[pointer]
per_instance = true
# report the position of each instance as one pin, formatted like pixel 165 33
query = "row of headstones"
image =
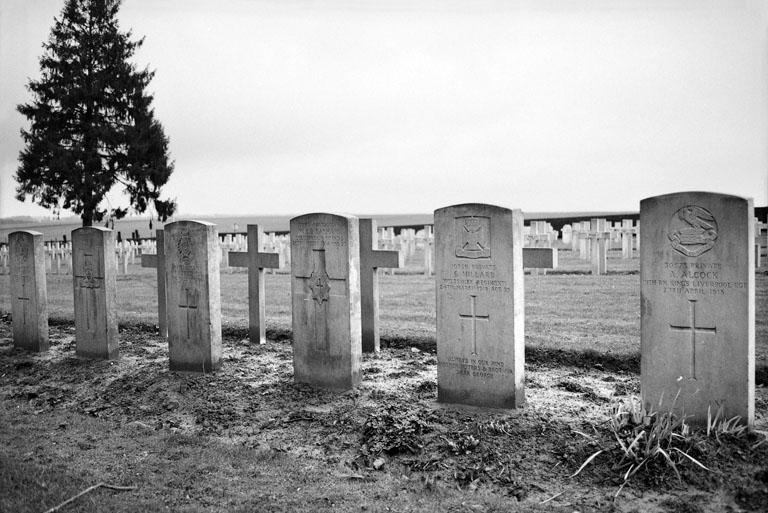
pixel 593 239
pixel 271 242
pixel 128 251
pixel 697 300
pixel 407 244
pixel 537 234
pixel 761 241
pixel 58 255
pixel 94 280
pixel 697 307
pixel 622 235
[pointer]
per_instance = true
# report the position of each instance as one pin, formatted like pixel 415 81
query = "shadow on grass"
pixel 541 355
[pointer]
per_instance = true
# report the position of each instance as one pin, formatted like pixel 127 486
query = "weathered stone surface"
pixel 370 261
pixel 256 262
pixel 325 292
pixel 480 309
pixel 95 292
pixel 193 296
pixel 29 299
pixel 157 261
pixel 698 304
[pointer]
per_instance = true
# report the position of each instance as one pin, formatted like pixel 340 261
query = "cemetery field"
pixel 246 438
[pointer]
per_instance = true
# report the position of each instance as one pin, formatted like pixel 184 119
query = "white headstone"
pixel 28 290
pixel 193 296
pixel 480 309
pixel 325 292
pixel 95 292
pixel 698 304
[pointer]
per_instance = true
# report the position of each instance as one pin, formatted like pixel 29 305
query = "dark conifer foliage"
pixel 91 121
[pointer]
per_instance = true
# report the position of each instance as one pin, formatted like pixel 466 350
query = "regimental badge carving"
pixel 692 231
pixel 318 282
pixel 184 247
pixel 473 237
pixel 23 252
pixel 88 270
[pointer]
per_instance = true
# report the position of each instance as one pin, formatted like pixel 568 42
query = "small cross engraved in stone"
pixel 320 295
pixel 693 327
pixel 24 299
pixel 474 317
pixel 88 281
pixel 190 304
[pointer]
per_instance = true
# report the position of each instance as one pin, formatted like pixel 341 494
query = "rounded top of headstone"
pixel 188 222
pixel 86 229
pixel 692 196
pixel 476 207
pixel 25 232
pixel 346 217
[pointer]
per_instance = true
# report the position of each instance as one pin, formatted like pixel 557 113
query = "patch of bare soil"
pixel 278 446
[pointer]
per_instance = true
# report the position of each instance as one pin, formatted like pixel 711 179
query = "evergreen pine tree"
pixel 91 121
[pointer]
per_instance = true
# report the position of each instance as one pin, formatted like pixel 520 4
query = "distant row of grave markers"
pixel 697 299
pixel 539 234
pixel 580 236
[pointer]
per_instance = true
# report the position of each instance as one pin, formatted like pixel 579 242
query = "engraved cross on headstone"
pixel 87 280
pixel 190 303
pixel 24 298
pixel 256 262
pixel 473 317
pixel 320 294
pixel 693 328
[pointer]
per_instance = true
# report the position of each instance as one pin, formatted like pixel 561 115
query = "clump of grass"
pixel 718 425
pixel 642 439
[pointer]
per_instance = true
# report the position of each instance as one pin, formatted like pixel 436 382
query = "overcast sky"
pixel 279 107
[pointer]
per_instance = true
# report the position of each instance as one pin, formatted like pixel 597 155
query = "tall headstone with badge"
pixel 698 305
pixel 480 309
pixel 28 290
pixel 94 266
pixel 325 292
pixel 193 296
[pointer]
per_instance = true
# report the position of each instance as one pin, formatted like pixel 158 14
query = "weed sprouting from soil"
pixel 648 445
pixel 720 426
